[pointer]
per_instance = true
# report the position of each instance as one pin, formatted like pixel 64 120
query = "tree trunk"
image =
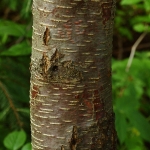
pixel 70 96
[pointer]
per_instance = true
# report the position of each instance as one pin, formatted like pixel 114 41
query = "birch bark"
pixel 70 94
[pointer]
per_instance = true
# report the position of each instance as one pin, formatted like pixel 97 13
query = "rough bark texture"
pixel 71 100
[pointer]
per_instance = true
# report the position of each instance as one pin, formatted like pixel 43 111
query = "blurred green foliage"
pixel 15 50
pixel 131 90
pixel 131 93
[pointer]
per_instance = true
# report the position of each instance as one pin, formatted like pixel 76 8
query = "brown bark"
pixel 70 96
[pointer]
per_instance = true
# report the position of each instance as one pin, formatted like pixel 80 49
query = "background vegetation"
pixel 131 84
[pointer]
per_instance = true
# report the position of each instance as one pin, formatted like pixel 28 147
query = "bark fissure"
pixel 46 36
pixel 71 101
pixel 74 139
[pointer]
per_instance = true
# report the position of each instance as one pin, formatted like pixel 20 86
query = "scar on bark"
pixel 56 70
pixel 46 36
pixel 74 139
pixel 50 63
pixel 34 91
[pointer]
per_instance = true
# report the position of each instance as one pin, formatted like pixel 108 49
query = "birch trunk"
pixel 70 94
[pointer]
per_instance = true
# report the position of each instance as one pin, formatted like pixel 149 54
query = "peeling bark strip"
pixel 70 96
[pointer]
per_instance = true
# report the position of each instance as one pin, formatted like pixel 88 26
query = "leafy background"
pixel 131 89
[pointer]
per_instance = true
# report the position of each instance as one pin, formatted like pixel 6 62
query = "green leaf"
pixel 126 32
pixel 27 147
pixel 137 148
pixel 134 142
pixel 26 5
pixel 18 50
pixel 147 5
pixel 4 112
pixel 129 100
pixel 17 78
pixel 4 38
pixel 130 2
pixel 13 5
pixel 11 28
pixel 140 123
pixel 24 110
pixel 121 126
pixel 139 27
pixel 140 19
pixel 15 140
pixel 143 55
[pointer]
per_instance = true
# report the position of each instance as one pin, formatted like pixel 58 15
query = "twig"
pixel 11 103
pixel 140 46
pixel 133 49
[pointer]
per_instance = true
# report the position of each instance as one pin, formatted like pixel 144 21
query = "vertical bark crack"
pixel 46 36
pixel 74 139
